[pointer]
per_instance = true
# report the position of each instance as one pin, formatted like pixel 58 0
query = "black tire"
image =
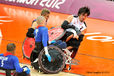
pixel 23 49
pixel 58 60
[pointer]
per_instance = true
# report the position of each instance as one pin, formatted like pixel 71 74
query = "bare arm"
pixel 69 18
pixel 65 25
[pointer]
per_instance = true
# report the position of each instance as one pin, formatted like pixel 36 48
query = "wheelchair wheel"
pixel 56 33
pixel 27 47
pixel 56 65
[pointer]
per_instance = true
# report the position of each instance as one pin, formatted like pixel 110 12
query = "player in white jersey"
pixel 75 28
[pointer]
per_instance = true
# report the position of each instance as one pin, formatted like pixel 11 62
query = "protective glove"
pixel 26 69
pixel 49 57
pixel 52 42
pixel 47 54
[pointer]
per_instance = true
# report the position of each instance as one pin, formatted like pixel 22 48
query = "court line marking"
pixel 78 53
pixel 23 64
pixel 13 41
pixel 96 56
pixel 2 20
pixel 6 20
pixel 0 36
pixel 0 33
pixel 4 17
pixel 93 33
pixel 73 73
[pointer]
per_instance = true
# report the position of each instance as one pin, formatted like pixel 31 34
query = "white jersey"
pixel 76 22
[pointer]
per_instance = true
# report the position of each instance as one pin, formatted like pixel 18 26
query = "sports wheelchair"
pixel 60 57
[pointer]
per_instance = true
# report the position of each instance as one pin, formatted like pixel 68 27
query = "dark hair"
pixel 11 47
pixel 45 11
pixel 84 10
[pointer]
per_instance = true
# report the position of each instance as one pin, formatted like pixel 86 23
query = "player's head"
pixel 83 13
pixel 45 12
pixel 11 47
pixel 40 20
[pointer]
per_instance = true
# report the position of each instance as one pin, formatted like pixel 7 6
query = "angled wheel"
pixel 57 63
pixel 28 46
pixel 56 33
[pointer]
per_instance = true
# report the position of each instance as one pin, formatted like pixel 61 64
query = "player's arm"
pixel 45 39
pixel 17 66
pixel 65 25
pixel 19 69
pixel 44 36
pixel 69 18
pixel 82 34
pixel 84 29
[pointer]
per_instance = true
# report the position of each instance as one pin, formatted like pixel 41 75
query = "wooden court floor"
pixel 96 53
